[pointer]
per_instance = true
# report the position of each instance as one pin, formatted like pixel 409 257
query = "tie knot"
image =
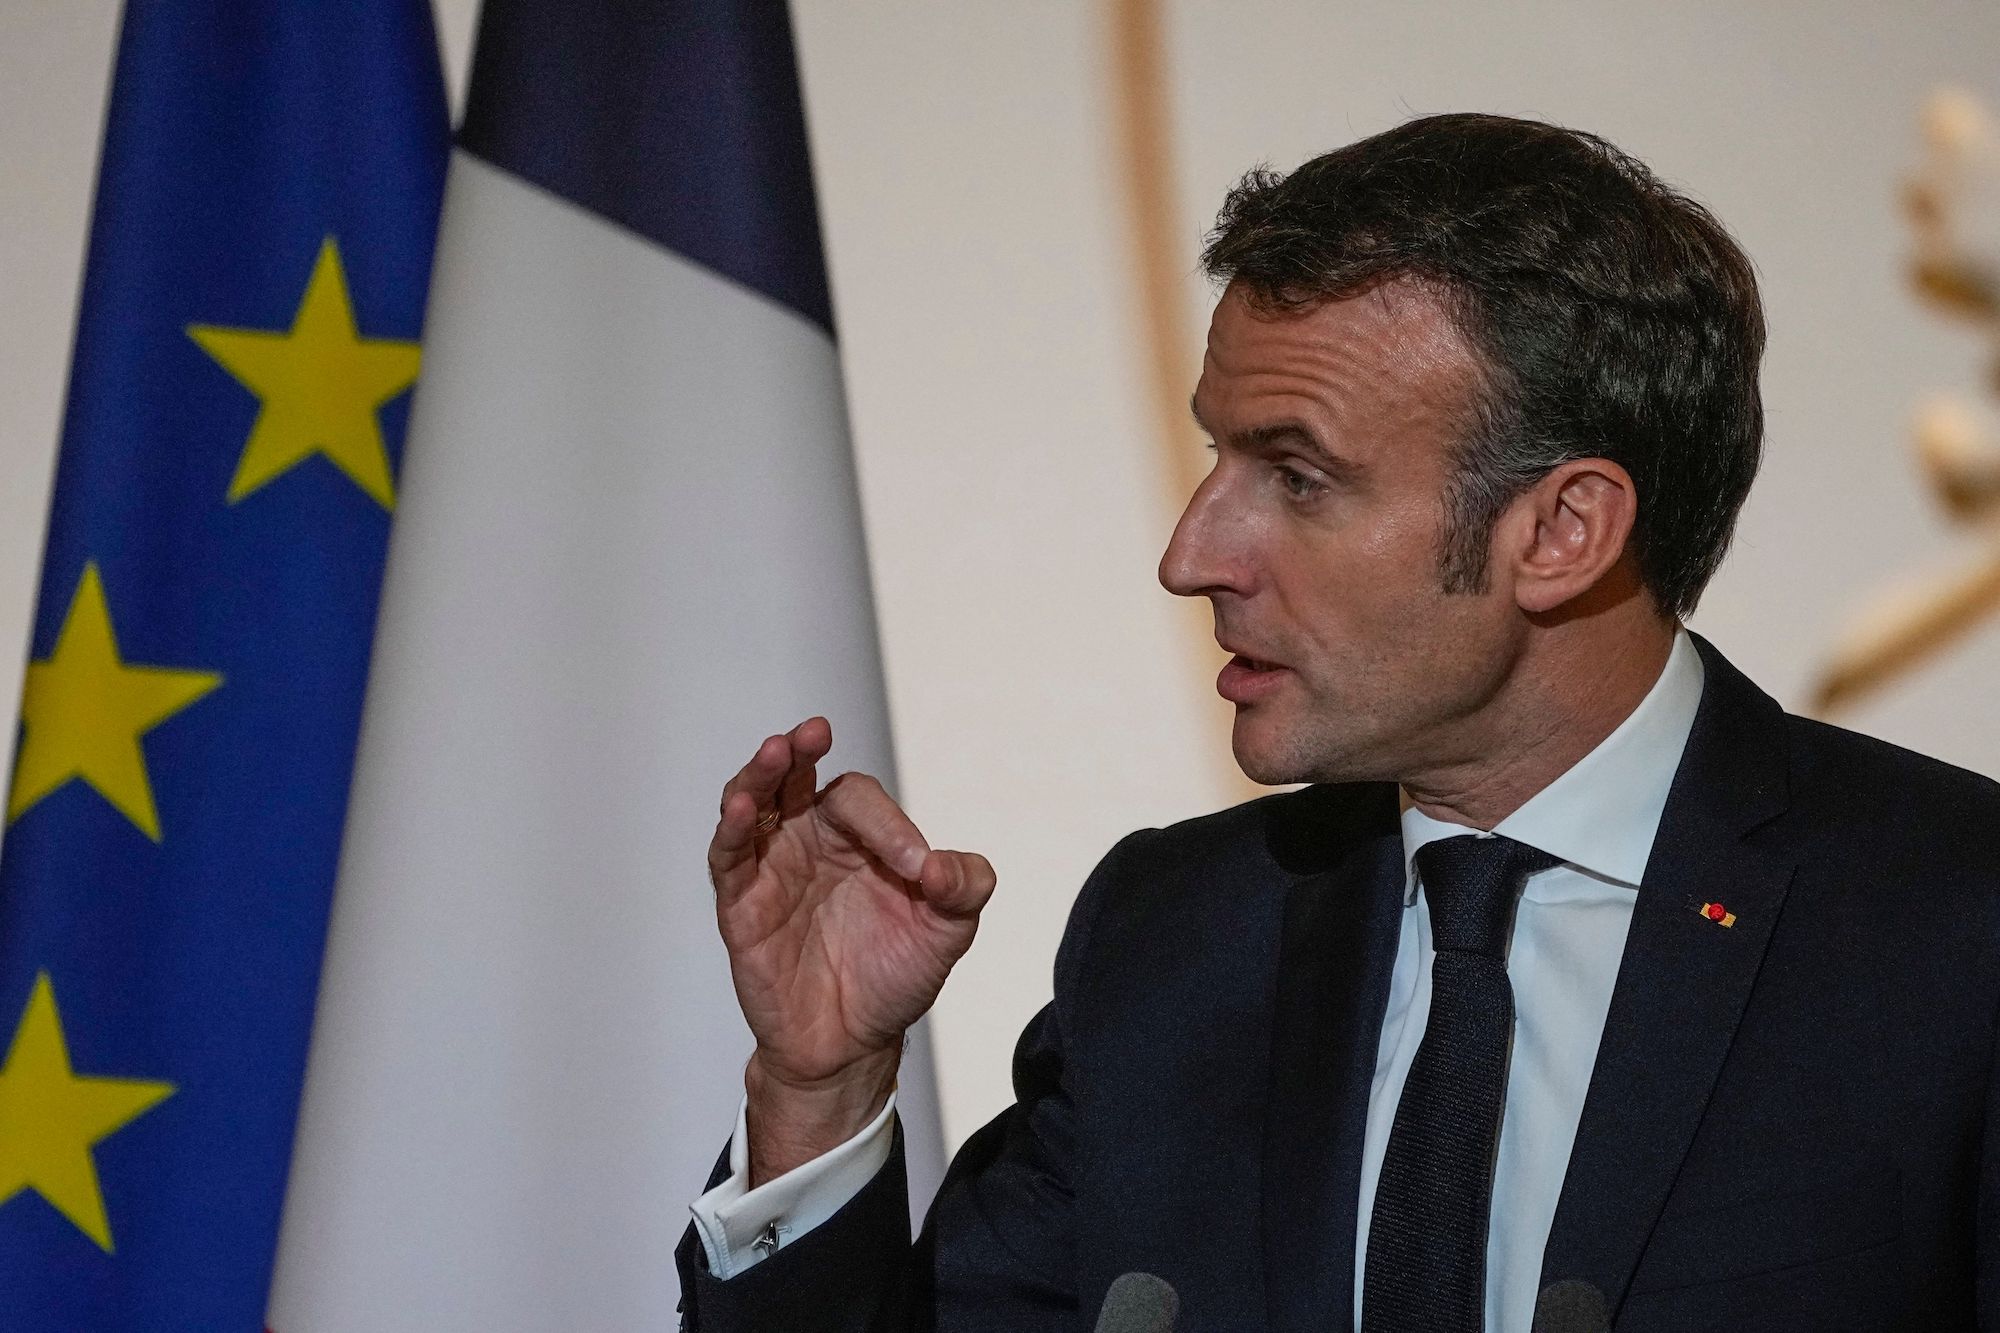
pixel 1470 883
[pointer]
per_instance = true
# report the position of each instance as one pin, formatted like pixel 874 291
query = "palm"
pixel 834 954
pixel 841 922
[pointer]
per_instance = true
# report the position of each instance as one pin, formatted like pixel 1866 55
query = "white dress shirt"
pixel 1569 931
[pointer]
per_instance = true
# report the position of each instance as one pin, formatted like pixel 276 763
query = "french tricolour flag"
pixel 628 546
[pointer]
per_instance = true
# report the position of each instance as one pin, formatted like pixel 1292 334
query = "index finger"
pixel 857 803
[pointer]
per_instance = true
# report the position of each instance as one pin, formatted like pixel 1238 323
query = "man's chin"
pixel 1275 751
pixel 1263 757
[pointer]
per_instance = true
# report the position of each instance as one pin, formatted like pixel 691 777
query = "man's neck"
pixel 1559 706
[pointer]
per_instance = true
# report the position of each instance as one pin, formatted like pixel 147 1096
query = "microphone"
pixel 1571 1306
pixel 1138 1303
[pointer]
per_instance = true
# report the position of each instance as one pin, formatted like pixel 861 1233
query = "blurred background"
pixel 1019 474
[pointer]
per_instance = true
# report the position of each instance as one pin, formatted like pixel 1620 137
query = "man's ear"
pixel 1568 531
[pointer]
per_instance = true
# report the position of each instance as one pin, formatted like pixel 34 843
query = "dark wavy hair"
pixel 1613 317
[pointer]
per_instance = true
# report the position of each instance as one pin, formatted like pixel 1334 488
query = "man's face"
pixel 1317 539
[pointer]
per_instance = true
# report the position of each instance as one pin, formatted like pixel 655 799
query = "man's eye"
pixel 1299 484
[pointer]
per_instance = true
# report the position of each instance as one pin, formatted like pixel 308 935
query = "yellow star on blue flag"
pixel 320 383
pixel 51 1116
pixel 83 713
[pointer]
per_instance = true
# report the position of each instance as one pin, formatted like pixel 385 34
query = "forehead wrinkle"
pixel 1396 337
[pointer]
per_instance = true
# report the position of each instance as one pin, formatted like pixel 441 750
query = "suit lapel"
pixel 1337 950
pixel 1682 983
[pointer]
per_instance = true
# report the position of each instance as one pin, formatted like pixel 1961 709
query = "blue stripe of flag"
pixel 679 121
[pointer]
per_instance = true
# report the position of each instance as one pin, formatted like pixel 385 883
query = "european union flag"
pixel 258 259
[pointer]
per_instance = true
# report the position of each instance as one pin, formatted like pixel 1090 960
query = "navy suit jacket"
pixel 1791 1123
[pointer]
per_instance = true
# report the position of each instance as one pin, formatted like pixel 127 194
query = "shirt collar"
pixel 1600 816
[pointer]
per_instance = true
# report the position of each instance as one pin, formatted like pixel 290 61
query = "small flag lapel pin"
pixel 1719 914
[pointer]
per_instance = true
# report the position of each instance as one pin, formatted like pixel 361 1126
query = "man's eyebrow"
pixel 1286 434
pixel 1291 435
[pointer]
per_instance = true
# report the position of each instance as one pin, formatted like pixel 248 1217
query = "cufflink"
pixel 767 1241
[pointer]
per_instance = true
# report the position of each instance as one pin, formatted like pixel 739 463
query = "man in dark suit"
pixel 1580 978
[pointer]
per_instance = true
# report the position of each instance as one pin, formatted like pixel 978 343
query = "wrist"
pixel 792 1121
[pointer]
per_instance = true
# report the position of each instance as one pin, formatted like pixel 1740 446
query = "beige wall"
pixel 1046 694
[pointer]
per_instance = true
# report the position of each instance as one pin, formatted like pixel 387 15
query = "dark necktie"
pixel 1426 1262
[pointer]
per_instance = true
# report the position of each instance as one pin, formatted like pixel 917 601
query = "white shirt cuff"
pixel 741 1227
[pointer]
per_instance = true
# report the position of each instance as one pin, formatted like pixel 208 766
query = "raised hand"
pixel 841 925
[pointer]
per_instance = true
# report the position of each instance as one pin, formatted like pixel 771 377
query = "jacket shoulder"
pixel 1896 836
pixel 1887 790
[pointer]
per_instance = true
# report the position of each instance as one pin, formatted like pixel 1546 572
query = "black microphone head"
pixel 1139 1303
pixel 1571 1306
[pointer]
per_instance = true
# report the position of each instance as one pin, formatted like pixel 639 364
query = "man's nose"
pixel 1194 563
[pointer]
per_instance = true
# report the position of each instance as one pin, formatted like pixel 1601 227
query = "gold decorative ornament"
pixel 1161 250
pixel 1953 205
